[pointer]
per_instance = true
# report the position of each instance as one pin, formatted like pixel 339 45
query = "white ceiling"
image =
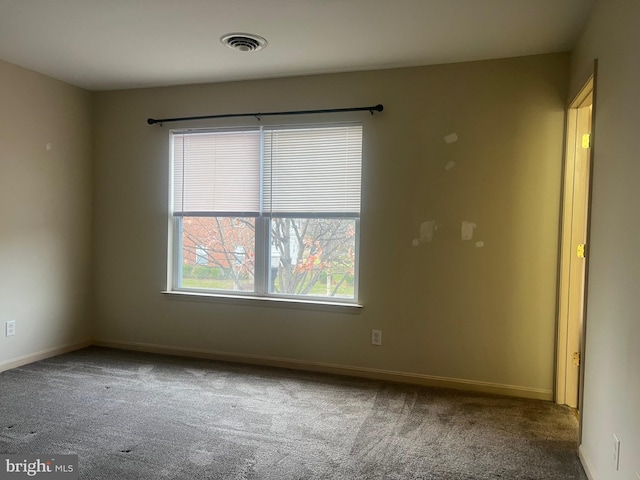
pixel 115 44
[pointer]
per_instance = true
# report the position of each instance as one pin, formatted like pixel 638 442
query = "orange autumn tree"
pixel 313 251
pixel 309 256
pixel 221 248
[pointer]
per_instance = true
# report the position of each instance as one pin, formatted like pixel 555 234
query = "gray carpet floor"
pixel 141 416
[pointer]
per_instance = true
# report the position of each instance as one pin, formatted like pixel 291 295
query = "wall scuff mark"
pixel 451 138
pixel 467 230
pixel 427 229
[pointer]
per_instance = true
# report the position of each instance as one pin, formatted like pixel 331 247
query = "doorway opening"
pixel 574 248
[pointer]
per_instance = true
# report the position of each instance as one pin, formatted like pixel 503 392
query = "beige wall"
pixel 446 308
pixel 612 356
pixel 45 213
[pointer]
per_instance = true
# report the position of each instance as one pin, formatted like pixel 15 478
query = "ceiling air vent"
pixel 244 42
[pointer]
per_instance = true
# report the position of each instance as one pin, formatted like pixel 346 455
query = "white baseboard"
pixel 42 354
pixel 389 375
pixel 588 469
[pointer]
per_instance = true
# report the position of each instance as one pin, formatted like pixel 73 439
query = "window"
pixel 201 256
pixel 269 211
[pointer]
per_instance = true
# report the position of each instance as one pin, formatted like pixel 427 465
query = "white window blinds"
pixel 313 171
pixel 305 171
pixel 216 173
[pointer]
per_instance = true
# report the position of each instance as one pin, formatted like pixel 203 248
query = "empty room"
pixel 302 239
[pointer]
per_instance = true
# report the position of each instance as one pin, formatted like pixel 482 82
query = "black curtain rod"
pixel 376 108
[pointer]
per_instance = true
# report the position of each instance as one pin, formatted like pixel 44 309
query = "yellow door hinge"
pixel 576 358
pixel 582 250
pixel 586 140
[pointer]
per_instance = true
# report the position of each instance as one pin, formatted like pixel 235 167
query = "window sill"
pixel 255 301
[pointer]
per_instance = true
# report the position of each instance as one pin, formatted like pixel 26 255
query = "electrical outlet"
pixel 616 452
pixel 376 337
pixel 10 328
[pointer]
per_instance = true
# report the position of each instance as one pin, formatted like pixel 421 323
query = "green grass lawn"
pixel 319 289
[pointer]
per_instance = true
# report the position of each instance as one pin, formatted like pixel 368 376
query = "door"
pixel 574 248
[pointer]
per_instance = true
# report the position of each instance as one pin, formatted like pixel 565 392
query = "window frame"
pixel 262 245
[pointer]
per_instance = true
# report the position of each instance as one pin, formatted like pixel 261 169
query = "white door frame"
pixel 573 289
